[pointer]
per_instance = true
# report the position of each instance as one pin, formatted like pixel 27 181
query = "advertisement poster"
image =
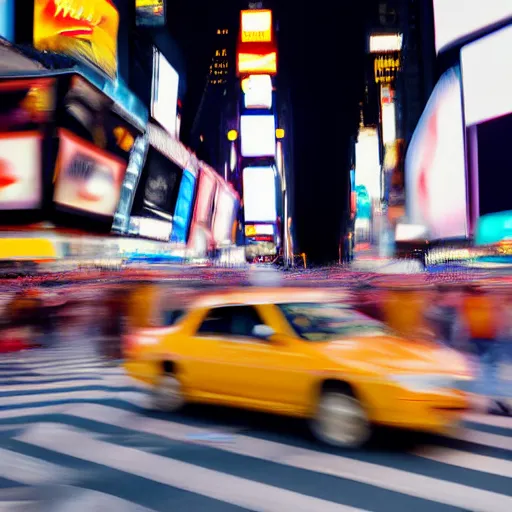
pixel 435 172
pixel 83 29
pixel 87 178
pixel 20 171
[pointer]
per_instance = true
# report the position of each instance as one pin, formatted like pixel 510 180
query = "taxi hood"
pixel 391 353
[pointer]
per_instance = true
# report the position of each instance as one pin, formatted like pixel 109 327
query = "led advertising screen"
pixel 164 101
pixel 368 162
pixel 27 105
pixel 21 185
pixel 83 29
pixel 161 183
pixel 435 172
pixel 224 216
pixel 259 192
pixel 87 178
pixel 457 20
pixel 184 208
pixel 486 81
pixel 258 135
pixel 384 43
pixel 7 19
pixel 262 63
pixel 256 26
pixel 488 116
pixel 257 91
pixel 150 13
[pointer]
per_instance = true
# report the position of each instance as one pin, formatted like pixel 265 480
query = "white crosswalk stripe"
pixel 64 428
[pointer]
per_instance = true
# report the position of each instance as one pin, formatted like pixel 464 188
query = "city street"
pixel 74 437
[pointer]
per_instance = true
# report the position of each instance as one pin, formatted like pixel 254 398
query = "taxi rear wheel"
pixel 168 392
pixel 341 420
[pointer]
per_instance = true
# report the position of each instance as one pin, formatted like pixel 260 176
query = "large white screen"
pixel 164 103
pixel 258 135
pixel 457 19
pixel 257 91
pixel 487 77
pixel 259 194
pixel 435 171
pixel 368 162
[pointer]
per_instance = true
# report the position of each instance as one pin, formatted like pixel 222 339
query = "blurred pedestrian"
pixel 444 316
pixel 484 324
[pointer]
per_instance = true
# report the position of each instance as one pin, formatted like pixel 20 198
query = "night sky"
pixel 321 53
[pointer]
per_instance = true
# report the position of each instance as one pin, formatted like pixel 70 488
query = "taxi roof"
pixel 251 296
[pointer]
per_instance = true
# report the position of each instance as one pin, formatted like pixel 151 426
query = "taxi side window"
pixel 232 320
pixel 172 317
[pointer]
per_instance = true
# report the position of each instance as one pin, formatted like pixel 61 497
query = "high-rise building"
pixel 220 65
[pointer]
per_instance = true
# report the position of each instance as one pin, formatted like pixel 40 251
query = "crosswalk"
pixel 74 436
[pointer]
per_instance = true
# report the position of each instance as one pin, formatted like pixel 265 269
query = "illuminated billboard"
pixel 83 29
pixel 435 172
pixel 21 181
pixel 87 178
pixel 259 187
pixel 257 91
pixel 27 106
pixel 258 136
pixel 385 43
pixel 488 117
pixel 256 26
pixel 457 20
pixel 257 63
pixel 150 13
pixel 486 82
pixel 164 94
pixel 368 162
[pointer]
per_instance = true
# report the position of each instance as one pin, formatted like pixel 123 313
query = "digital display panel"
pixel 184 208
pixel 263 63
pixel 435 172
pixel 256 26
pixel 258 135
pixel 257 91
pixel 27 106
pixel 83 29
pixel 162 182
pixel 457 20
pixel 21 185
pixel 259 193
pixel 164 101
pixel 486 82
pixel 87 178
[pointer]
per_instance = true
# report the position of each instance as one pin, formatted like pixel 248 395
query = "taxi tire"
pixel 167 394
pixel 341 420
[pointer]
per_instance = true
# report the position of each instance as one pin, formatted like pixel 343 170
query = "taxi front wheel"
pixel 341 420
pixel 168 394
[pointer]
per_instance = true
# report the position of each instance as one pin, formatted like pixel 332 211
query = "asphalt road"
pixel 74 436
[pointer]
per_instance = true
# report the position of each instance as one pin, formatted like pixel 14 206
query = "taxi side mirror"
pixel 262 331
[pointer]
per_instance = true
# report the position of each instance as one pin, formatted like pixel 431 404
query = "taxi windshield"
pixel 323 322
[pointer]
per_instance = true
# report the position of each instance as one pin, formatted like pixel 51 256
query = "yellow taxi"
pixel 299 352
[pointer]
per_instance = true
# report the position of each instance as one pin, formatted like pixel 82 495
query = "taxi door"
pixel 259 370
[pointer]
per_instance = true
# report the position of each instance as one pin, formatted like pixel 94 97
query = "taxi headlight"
pixel 425 383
